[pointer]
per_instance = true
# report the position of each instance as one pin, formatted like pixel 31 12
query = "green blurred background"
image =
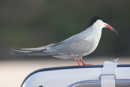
pixel 34 23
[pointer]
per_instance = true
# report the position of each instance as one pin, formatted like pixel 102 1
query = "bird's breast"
pixel 92 43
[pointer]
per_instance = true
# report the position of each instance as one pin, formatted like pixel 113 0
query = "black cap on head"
pixel 95 18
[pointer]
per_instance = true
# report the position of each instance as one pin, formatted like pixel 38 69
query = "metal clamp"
pixel 106 75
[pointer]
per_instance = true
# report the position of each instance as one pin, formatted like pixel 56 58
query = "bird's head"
pixel 101 21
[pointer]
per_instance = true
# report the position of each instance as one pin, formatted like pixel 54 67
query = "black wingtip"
pixel 19 54
pixel 15 54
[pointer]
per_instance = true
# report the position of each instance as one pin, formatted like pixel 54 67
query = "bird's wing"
pixel 39 51
pixel 76 45
pixel 28 50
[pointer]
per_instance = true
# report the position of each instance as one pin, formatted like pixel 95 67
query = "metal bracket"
pixel 106 75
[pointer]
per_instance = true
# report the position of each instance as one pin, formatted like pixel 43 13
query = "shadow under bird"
pixel 74 47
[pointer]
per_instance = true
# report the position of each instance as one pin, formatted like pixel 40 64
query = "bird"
pixel 74 47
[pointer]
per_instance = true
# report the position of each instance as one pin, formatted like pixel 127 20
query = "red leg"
pixel 77 61
pixel 83 62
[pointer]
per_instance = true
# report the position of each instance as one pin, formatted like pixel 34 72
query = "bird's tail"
pixel 31 51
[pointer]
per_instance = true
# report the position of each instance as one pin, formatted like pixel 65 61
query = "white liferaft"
pixel 80 76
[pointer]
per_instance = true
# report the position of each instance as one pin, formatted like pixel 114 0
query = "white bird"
pixel 76 46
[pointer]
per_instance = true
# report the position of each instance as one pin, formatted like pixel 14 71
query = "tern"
pixel 74 47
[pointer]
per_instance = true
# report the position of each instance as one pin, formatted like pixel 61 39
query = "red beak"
pixel 111 28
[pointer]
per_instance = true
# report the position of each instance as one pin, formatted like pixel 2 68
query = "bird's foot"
pixel 82 62
pixel 87 64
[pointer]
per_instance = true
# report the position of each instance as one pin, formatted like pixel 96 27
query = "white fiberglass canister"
pixel 80 76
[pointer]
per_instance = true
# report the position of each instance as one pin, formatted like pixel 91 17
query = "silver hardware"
pixel 106 75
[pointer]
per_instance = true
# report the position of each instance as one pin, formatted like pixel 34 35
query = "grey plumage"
pixel 74 46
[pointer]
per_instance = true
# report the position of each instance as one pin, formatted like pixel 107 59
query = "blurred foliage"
pixel 34 23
